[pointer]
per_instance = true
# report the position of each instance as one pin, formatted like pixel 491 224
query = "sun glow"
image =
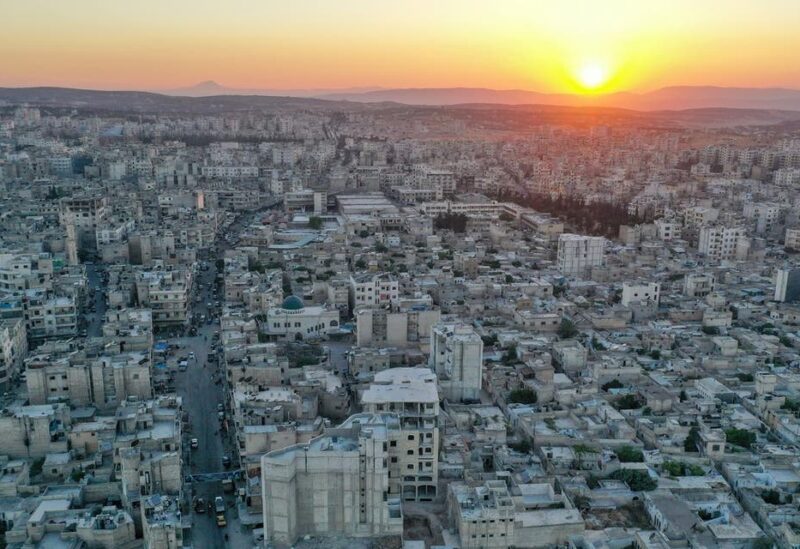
pixel 592 76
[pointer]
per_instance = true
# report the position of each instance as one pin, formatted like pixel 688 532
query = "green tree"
pixel 630 454
pixel 628 402
pixel 567 329
pixel 639 481
pixel 681 469
pixel 692 439
pixel 740 437
pixel 315 222
pixel 522 396
pixel 613 384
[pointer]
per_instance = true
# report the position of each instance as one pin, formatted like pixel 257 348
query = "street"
pixel 98 298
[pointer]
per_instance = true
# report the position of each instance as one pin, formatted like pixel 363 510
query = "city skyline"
pixel 569 47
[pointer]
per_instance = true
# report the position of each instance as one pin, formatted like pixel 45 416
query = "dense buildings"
pixel 464 327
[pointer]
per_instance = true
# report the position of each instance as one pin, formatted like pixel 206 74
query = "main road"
pixel 202 388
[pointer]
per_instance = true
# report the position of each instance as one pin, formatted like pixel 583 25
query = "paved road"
pixel 202 388
pixel 201 396
pixel 95 319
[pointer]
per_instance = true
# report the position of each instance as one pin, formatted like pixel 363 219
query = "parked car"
pixel 194 444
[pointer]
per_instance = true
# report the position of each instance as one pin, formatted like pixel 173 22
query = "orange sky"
pixel 539 45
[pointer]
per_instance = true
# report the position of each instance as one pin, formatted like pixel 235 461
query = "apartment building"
pixel 483 515
pixel 373 290
pixel 336 484
pixel 787 285
pixel 49 316
pixel 699 216
pixel 698 284
pixel 577 253
pixel 649 292
pixel 457 358
pixel 765 217
pixel 82 380
pixel 411 394
pixel 396 326
pixel 792 240
pixel 20 272
pixel 13 348
pixel 166 293
pixel 723 243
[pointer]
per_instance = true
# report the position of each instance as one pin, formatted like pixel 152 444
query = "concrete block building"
pixel 337 484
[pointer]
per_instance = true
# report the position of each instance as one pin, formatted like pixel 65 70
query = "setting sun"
pixel 592 76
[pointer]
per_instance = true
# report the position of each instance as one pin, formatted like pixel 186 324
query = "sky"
pixel 583 46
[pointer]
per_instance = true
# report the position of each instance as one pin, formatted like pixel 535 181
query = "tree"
pixel 510 356
pixel 628 402
pixel 681 469
pixel 567 329
pixel 454 222
pixel 629 454
pixel 522 396
pixel 360 264
pixel 315 222
pixel 740 437
pixel 613 384
pixel 772 497
pixel 639 481
pixel 523 446
pixel 692 439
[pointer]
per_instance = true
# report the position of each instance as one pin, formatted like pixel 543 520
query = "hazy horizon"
pixel 566 47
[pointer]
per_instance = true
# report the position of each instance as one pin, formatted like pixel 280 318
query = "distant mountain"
pixel 148 102
pixel 671 98
pixel 210 88
pixel 473 105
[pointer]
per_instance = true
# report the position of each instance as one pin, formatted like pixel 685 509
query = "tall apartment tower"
pixel 457 359
pixel 578 253
pixel 410 393
pixel 336 484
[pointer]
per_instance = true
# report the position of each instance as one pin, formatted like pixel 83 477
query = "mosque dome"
pixel 292 303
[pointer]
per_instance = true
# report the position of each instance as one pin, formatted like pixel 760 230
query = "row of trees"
pixel 597 218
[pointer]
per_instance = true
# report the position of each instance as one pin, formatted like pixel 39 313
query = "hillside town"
pixel 390 327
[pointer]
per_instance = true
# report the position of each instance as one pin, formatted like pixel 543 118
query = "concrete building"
pixel 649 292
pixel 577 253
pixel 483 516
pixel 81 380
pixel 721 243
pixel 457 359
pixel 411 394
pixel 792 240
pixel 787 285
pixel 396 326
pixel 373 290
pixel 162 524
pixel 698 284
pixel 13 349
pixel 166 293
pixel 337 484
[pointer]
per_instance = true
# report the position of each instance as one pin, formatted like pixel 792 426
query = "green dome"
pixel 292 303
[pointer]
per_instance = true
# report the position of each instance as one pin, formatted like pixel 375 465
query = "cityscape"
pixel 374 308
